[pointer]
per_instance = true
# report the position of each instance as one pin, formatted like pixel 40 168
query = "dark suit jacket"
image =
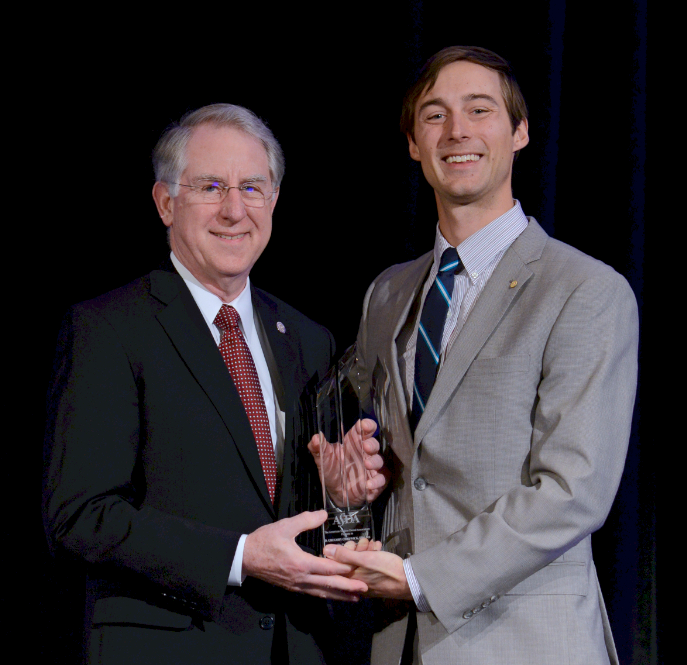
pixel 152 474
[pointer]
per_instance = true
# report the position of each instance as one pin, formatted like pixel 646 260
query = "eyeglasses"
pixel 215 192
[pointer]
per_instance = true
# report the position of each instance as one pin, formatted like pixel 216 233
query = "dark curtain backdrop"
pixel 329 82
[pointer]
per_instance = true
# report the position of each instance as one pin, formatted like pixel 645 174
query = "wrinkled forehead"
pixel 216 149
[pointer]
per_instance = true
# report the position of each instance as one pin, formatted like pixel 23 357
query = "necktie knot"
pixel 227 318
pixel 450 261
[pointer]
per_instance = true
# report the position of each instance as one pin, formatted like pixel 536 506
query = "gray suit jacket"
pixel 517 457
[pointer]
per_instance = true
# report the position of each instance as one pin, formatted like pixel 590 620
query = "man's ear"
pixel 521 136
pixel 164 202
pixel 412 148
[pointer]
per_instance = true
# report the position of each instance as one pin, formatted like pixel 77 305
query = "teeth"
pixel 462 158
pixel 219 235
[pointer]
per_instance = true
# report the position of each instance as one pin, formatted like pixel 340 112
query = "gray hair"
pixel 169 156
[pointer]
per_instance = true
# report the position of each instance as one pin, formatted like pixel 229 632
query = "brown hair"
pixel 515 102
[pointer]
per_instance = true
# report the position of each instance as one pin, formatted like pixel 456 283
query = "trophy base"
pixel 342 526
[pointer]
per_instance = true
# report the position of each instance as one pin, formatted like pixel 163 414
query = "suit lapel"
pixel 188 332
pixel 490 308
pixel 282 346
pixel 402 313
pixel 288 373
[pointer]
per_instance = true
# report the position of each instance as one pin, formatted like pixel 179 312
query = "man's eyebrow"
pixel 473 96
pixel 209 177
pixel 437 101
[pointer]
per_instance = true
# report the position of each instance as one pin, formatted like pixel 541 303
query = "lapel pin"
pixel 281 327
pixel 514 283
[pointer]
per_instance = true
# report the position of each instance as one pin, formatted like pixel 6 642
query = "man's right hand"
pixel 271 554
pixel 364 476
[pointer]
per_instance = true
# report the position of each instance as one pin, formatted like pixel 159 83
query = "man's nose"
pixel 457 128
pixel 233 207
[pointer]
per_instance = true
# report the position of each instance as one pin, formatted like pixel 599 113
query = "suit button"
pixel 420 484
pixel 267 623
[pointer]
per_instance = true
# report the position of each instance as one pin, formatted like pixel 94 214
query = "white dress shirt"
pixel 209 305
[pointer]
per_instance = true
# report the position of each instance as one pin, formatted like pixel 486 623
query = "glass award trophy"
pixel 342 469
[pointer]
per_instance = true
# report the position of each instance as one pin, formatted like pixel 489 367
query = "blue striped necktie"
pixel 430 332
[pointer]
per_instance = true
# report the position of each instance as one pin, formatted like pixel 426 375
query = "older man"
pixel 172 420
pixel 503 364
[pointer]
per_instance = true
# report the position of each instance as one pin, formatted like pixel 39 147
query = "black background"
pixel 329 82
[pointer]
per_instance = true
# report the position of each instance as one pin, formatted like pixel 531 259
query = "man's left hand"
pixel 383 572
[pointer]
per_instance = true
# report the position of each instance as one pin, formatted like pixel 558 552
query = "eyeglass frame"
pixel 225 192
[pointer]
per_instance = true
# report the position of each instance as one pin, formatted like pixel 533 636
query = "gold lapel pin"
pixel 514 283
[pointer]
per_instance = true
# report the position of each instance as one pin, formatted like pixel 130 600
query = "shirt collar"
pixel 480 249
pixel 209 304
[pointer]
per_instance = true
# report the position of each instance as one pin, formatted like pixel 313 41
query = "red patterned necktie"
pixel 239 362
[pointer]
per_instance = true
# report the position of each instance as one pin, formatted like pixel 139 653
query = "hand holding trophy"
pixel 351 470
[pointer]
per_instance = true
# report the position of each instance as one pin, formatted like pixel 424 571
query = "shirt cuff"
pixel 235 574
pixel 415 588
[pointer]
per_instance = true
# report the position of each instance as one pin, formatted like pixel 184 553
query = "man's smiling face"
pixel 463 137
pixel 219 243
